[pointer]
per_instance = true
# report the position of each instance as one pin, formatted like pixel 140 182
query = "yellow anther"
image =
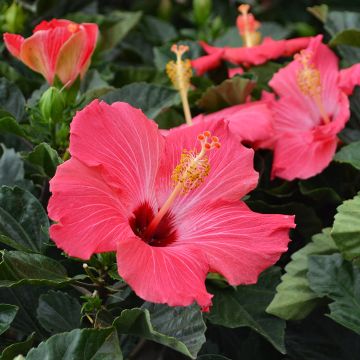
pixel 308 76
pixel 244 9
pixel 194 166
pixel 309 81
pixel 179 72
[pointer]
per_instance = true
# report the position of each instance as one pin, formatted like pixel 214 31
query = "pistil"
pixel 180 73
pixel 189 174
pixel 248 26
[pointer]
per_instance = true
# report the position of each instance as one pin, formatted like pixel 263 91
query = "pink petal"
pixel 75 54
pixel 40 51
pixel 52 24
pixel 235 71
pixel 206 63
pixel 252 122
pixel 13 43
pixel 89 213
pixel 171 275
pixel 349 78
pixel 293 46
pixel 124 143
pixel 238 243
pixel 231 174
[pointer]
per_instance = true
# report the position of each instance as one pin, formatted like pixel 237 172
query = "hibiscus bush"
pixel 179 179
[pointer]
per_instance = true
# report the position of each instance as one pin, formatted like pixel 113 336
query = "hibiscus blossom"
pixel 169 206
pixel 254 51
pixel 57 48
pixel 312 108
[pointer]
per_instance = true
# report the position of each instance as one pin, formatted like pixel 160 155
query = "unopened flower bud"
pixel 52 104
pixel 202 10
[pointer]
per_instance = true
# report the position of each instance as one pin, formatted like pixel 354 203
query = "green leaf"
pixel 8 124
pixel 349 37
pixel 157 31
pixel 20 348
pixel 319 11
pixel 230 92
pixel 180 328
pixel 332 276
pixel 245 306
pixel 45 158
pixel 23 220
pixel 346 228
pixel 342 21
pixel 349 154
pixel 12 99
pixel 58 312
pixel 17 268
pixel 150 98
pixel 7 315
pixel 294 298
pixel 11 167
pixel 89 344
pixel 113 27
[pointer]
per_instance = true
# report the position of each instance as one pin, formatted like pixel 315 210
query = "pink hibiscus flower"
pixel 169 206
pixel 254 51
pixel 312 108
pixel 57 48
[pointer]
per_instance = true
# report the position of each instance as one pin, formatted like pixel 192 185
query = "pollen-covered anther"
pixel 308 76
pixel 179 71
pixel 194 166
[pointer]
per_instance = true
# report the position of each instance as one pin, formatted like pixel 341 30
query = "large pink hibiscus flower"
pixel 312 108
pixel 169 206
pixel 254 51
pixel 57 48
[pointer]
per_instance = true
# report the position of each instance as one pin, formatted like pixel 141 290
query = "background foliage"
pixel 306 307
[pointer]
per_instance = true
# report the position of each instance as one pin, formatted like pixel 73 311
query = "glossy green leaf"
pixel 11 99
pixel 339 280
pixel 347 37
pixel 11 167
pixel 8 124
pixel 180 328
pixel 150 98
pixel 18 268
pixel 349 154
pixel 230 92
pixel 89 344
pixel 245 306
pixel 23 220
pixel 294 298
pixel 58 312
pixel 319 11
pixel 45 158
pixel 7 315
pixel 346 229
pixel 18 348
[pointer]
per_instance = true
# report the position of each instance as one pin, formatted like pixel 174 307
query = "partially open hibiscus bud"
pixel 59 48
pixel 52 104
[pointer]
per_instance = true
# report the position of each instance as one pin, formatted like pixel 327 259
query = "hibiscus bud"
pixel 14 18
pixel 202 10
pixel 52 104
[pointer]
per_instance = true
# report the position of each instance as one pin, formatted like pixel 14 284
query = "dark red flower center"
pixel 165 233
